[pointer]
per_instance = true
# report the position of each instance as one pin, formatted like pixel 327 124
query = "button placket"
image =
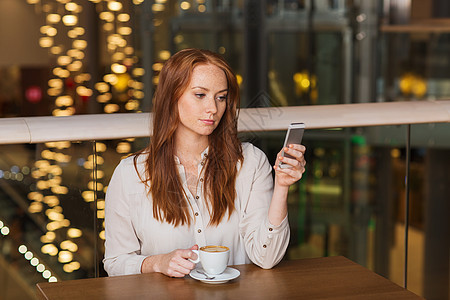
pixel 199 232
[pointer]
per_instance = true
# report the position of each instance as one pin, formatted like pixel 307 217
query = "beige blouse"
pixel 132 233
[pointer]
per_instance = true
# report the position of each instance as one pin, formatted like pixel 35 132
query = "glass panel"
pixel 297 77
pixel 226 43
pixel 46 212
pixel 351 199
pixel 205 25
pixel 47 194
pixel 350 202
pixel 415 66
pixel 428 268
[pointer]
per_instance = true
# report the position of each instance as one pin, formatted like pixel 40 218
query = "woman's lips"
pixel 207 122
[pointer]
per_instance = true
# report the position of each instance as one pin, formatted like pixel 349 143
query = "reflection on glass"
pixel 50 224
pixel 47 198
pixel 296 77
pixel 351 201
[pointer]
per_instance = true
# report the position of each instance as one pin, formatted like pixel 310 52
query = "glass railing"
pixel 351 201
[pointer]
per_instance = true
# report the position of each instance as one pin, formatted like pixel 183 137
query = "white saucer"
pixel 227 275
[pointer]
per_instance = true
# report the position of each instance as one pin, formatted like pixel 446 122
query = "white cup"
pixel 214 259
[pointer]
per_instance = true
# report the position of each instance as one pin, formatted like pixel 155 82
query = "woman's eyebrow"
pixel 203 88
pixel 200 87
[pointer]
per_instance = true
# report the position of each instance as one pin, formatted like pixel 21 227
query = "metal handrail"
pixel 117 126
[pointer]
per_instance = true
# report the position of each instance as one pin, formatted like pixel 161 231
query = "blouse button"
pixel 199 230
pixel 201 179
pixel 264 246
pixel 196 214
pixel 202 163
pixel 270 229
pixel 197 197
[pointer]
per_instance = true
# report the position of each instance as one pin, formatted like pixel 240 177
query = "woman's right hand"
pixel 173 264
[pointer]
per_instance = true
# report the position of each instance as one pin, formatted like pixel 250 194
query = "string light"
pixel 185 5
pixel 70 20
pixel 114 5
pixel 29 256
pixel 53 18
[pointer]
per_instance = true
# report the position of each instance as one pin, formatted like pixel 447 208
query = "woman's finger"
pixel 290 161
pixel 290 175
pixel 294 152
pixel 186 264
pixel 297 147
pixel 174 273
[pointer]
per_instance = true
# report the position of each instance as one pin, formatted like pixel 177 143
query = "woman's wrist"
pixel 278 205
pixel 281 190
pixel 149 265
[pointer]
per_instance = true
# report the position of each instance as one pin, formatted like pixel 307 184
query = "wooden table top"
pixel 316 278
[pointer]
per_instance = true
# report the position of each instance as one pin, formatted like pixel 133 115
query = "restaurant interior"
pixel 72 57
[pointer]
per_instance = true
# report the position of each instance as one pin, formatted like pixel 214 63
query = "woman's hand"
pixel 291 174
pixel 173 264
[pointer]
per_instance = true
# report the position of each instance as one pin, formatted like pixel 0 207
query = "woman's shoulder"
pixel 250 150
pixel 253 156
pixel 131 162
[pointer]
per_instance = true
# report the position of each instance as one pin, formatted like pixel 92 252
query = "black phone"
pixel 294 135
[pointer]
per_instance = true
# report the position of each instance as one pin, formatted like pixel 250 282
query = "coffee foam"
pixel 214 248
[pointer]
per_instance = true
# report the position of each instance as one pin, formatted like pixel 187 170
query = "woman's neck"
pixel 189 150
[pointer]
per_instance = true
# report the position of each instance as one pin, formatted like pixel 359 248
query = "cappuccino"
pixel 214 258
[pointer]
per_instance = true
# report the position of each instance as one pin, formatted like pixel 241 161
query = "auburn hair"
pixel 161 176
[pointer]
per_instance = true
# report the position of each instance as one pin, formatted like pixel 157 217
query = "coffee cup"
pixel 214 259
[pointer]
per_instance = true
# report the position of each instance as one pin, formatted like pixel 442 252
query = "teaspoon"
pixel 206 275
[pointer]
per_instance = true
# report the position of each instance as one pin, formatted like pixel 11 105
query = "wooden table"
pixel 316 278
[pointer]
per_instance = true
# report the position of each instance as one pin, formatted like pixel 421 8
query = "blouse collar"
pixel 204 155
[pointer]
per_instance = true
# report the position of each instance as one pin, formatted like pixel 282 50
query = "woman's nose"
pixel 211 105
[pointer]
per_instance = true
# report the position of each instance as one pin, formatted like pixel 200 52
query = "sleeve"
pixel 265 244
pixel 122 247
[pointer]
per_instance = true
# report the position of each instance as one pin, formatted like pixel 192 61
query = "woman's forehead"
pixel 208 74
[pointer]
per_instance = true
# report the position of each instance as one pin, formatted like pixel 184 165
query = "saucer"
pixel 227 275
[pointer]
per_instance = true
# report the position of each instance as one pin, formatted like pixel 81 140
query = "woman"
pixel 196 184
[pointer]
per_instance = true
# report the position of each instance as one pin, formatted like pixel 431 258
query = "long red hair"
pixel 225 151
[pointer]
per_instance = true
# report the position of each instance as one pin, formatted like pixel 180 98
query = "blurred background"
pixel 66 57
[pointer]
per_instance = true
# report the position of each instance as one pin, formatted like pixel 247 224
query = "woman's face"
pixel 203 103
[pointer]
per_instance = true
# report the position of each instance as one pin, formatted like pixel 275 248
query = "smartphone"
pixel 294 135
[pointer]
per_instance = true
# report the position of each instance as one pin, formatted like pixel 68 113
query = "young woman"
pixel 196 184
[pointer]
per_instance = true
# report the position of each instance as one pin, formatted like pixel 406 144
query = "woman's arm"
pixel 265 243
pixel 284 177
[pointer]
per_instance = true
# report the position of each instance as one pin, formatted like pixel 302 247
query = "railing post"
pixel 408 160
pixel 94 178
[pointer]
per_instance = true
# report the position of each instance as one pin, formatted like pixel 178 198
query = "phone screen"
pixel 294 135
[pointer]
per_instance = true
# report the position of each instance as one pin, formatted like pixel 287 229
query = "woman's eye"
pixel 199 95
pixel 222 98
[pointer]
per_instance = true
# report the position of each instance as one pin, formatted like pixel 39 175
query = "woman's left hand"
pixel 296 168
